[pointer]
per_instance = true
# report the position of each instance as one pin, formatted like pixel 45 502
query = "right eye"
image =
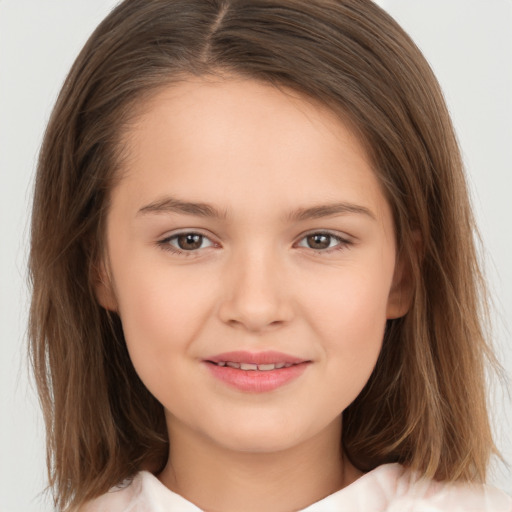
pixel 186 242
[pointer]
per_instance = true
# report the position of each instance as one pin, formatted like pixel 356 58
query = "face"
pixel 249 232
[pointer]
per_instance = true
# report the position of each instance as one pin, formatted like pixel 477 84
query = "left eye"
pixel 322 241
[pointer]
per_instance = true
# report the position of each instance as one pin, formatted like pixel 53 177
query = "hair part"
pixel 425 403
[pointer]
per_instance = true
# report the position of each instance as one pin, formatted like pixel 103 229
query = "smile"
pixel 256 372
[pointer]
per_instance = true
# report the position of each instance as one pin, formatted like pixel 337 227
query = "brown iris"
pixel 190 241
pixel 319 241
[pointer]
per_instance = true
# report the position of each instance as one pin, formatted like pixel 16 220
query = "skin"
pixel 254 283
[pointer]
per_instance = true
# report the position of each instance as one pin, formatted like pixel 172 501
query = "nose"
pixel 256 292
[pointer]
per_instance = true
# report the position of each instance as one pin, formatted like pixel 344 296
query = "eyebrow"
pixel 170 204
pixel 326 210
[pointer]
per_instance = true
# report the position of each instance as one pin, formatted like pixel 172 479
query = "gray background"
pixel 467 42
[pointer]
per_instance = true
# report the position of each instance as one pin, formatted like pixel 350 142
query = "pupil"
pixel 190 241
pixel 318 241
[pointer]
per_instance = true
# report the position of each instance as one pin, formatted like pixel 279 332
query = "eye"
pixel 188 242
pixel 324 242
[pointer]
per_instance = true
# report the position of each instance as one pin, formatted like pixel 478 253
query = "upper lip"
pixel 267 357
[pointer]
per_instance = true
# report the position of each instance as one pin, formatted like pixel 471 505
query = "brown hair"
pixel 425 403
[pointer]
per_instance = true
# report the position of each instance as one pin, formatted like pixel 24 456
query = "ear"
pixel 402 288
pixel 103 287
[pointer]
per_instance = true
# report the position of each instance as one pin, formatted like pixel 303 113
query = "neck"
pixel 218 479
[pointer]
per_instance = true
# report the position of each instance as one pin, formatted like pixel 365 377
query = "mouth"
pixel 256 361
pixel 256 372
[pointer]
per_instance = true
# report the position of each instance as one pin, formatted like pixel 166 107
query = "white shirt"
pixel 388 488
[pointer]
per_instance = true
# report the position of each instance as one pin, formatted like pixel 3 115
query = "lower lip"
pixel 257 381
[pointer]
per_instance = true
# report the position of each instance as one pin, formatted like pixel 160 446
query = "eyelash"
pixel 165 245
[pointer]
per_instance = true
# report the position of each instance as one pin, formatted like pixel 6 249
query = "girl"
pixel 255 284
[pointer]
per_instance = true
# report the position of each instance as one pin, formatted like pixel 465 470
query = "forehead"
pixel 197 102
pixel 239 142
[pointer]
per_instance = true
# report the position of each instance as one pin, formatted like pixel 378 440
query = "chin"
pixel 260 443
pixel 259 436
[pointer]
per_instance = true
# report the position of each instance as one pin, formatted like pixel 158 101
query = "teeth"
pixel 248 366
pixel 266 367
pixel 253 367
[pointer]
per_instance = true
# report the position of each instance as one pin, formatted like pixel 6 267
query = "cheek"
pixel 350 303
pixel 160 312
pixel 349 316
pixel 352 323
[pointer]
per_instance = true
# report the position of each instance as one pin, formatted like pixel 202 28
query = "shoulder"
pixel 142 493
pixel 393 488
pixel 411 493
pixel 116 499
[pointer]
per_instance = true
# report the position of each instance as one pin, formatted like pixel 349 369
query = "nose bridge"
pixel 255 294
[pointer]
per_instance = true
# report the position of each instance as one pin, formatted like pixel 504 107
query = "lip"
pixel 256 381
